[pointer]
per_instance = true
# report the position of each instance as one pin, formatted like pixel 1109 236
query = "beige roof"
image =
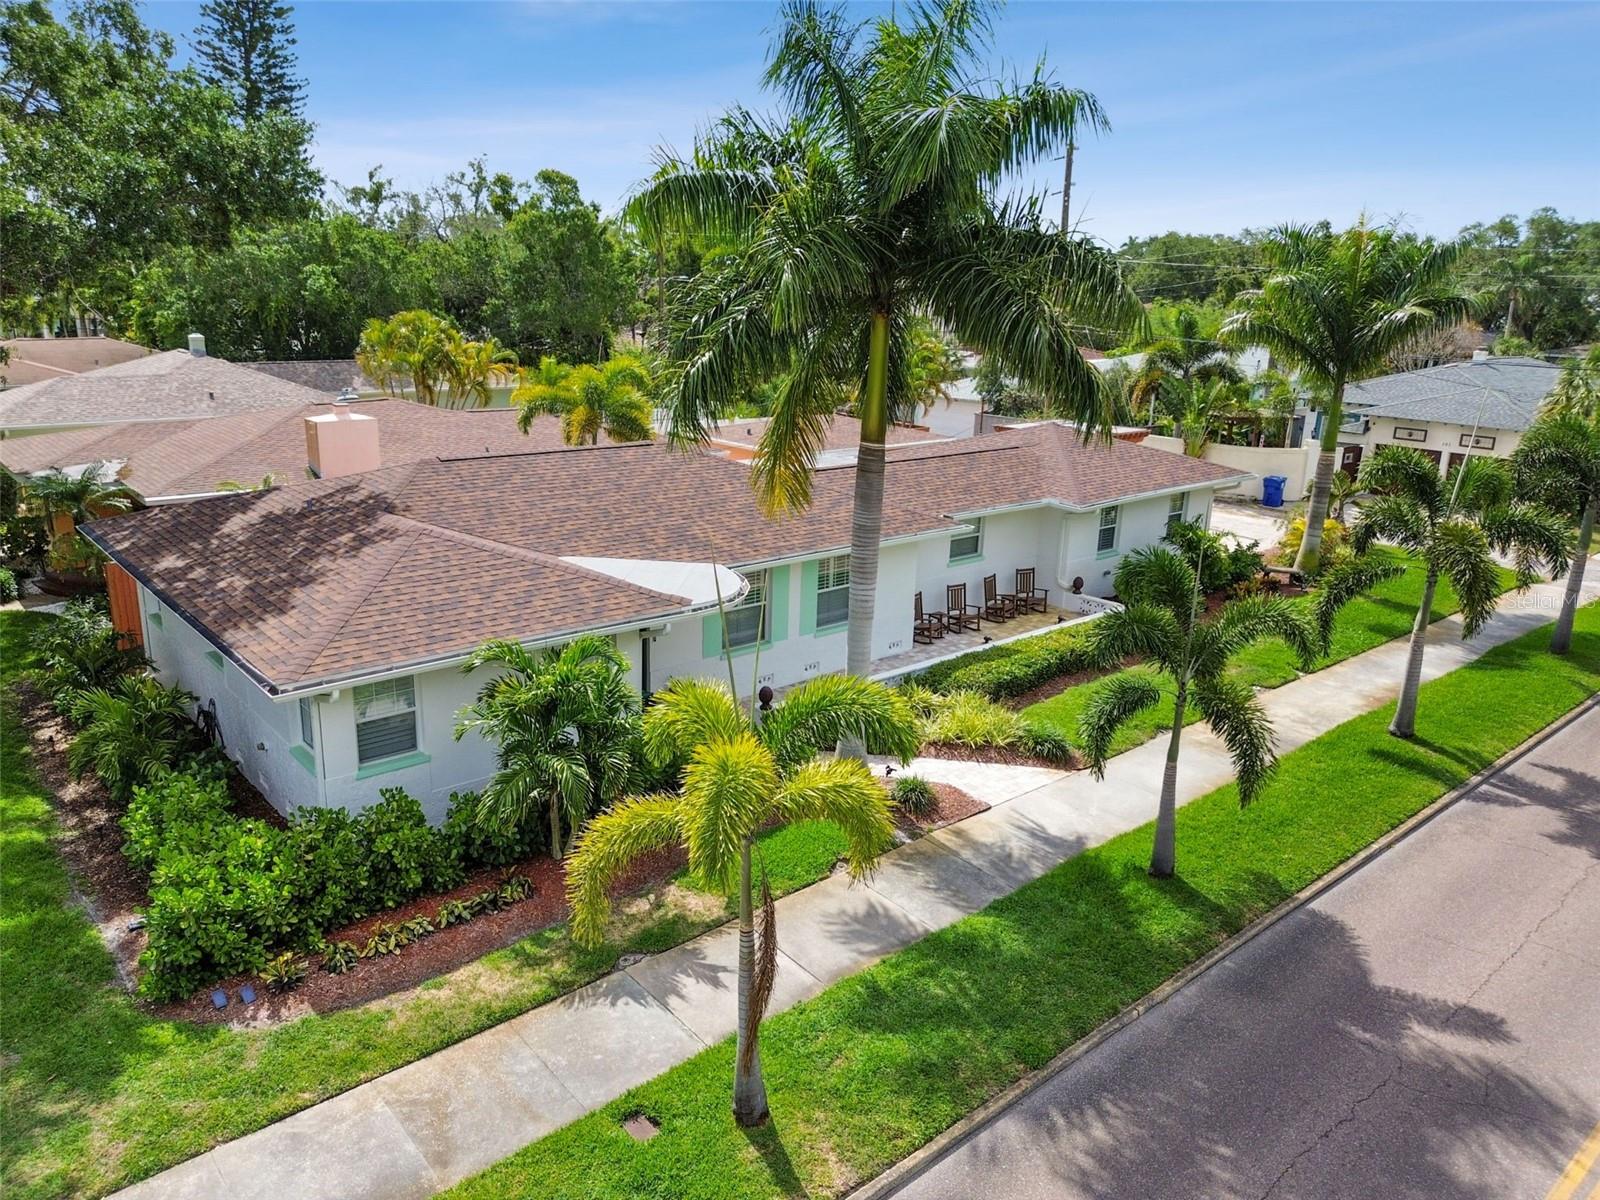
pixel 172 385
pixel 181 458
pixel 36 359
pixel 322 581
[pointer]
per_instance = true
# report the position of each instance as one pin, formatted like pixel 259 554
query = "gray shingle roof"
pixel 331 375
pixel 1508 391
pixel 160 387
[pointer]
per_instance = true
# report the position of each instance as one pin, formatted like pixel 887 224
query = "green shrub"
pixel 82 650
pixel 1220 564
pixel 284 972
pixel 178 809
pixel 1012 668
pixel 1043 742
pixel 479 844
pixel 8 586
pixel 1335 542
pixel 914 796
pixel 339 958
pixel 227 895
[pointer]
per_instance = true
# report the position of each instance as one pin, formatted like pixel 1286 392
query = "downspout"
pixel 645 639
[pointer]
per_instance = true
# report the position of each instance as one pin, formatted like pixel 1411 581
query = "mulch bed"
pixel 951 804
pixel 990 754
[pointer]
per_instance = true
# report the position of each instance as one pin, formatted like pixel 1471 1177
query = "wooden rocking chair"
pixel 958 614
pixel 1026 597
pixel 927 626
pixel 995 606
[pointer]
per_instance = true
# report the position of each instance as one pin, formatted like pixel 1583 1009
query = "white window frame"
pixel 1101 546
pixel 387 689
pixel 975 537
pixel 308 723
pixel 755 597
pixel 1176 513
pixel 833 581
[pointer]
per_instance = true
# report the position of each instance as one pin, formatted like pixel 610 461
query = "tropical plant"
pixel 914 796
pixel 8 586
pixel 130 731
pixel 742 777
pixel 612 398
pixel 1334 306
pixel 71 499
pixel 1173 364
pixel 411 347
pixel 284 972
pixel 1275 397
pixel 339 958
pixel 1206 402
pixel 1342 489
pixel 565 727
pixel 233 485
pixel 1162 623
pixel 867 202
pixel 1454 524
pixel 933 364
pixel 1557 463
pixel 475 367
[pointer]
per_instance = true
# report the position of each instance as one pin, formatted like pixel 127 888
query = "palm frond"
pixel 1397 519
pixel 1114 701
pixel 843 791
pixel 728 785
pixel 608 844
pixel 1344 583
pixel 1139 630
pixel 688 713
pixel 1459 551
pixel 820 713
pixel 1534 537
pixel 1236 715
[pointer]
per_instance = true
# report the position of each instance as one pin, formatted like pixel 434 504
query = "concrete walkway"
pixel 425 1126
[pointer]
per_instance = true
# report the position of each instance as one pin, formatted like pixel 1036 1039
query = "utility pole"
pixel 1066 190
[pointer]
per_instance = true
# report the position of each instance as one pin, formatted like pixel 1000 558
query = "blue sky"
pixel 1223 115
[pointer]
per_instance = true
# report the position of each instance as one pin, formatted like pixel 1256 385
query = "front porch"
pixel 896 666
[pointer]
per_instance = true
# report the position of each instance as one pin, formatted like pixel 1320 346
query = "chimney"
pixel 1480 355
pixel 341 443
pixel 197 345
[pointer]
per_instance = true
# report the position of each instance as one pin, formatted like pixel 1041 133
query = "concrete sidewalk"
pixel 425 1126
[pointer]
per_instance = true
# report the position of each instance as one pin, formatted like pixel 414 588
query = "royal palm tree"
pixel 1172 364
pixel 869 203
pixel 1558 464
pixel 1163 623
pixel 740 777
pixel 1454 524
pixel 565 727
pixel 612 398
pixel 1334 306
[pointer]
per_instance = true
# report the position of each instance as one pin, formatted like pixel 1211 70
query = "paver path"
pixel 425 1126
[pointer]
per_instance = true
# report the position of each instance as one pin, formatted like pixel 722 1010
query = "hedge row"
pixel 226 893
pixel 1013 668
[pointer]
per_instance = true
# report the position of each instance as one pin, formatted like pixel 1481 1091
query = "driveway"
pixel 1428 1028
pixel 1249 522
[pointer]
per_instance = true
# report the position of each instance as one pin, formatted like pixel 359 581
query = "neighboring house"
pixel 173 385
pixel 163 461
pixel 330 375
pixel 324 622
pixel 739 440
pixel 1484 406
pixel 37 359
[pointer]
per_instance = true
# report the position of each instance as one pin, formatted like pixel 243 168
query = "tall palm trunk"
pixel 1164 857
pixel 866 519
pixel 1310 555
pixel 1561 639
pixel 1405 709
pixel 749 1090
pixel 555 828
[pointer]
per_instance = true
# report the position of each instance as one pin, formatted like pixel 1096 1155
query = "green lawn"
pixel 1368 621
pixel 881 1062
pixel 99 1094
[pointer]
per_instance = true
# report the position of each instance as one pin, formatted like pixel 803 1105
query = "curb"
pixel 919 1161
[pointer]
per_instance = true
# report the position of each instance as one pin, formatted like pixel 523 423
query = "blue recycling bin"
pixel 1272 490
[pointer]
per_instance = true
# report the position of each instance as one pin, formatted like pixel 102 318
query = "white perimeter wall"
pixel 1298 464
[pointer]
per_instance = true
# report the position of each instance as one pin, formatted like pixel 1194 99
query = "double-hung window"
pixel 1107 540
pixel 308 730
pixel 746 622
pixel 833 591
pixel 968 545
pixel 386 719
pixel 1175 515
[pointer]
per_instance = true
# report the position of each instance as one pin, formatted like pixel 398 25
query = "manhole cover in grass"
pixel 640 1127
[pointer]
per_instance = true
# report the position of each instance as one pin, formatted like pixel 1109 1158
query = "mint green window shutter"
pixel 711 636
pixel 808 598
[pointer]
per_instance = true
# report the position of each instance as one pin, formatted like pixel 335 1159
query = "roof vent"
pixel 346 396
pixel 197 345
pixel 1480 355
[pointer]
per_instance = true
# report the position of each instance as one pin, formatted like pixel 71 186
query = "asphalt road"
pixel 1430 1027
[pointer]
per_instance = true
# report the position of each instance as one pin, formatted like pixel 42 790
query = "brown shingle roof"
pixel 844 433
pixel 173 385
pixel 324 580
pixel 36 359
pixel 182 458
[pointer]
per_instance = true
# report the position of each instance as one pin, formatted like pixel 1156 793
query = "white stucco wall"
pixel 1443 437
pixel 1297 464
